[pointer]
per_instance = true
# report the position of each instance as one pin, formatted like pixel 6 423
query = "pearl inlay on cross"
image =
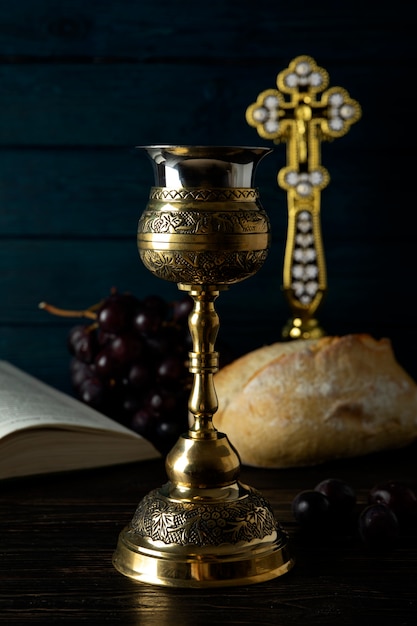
pixel 302 112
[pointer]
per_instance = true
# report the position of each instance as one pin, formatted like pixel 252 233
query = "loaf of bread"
pixel 305 402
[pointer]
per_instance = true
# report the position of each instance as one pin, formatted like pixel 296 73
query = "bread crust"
pixel 303 403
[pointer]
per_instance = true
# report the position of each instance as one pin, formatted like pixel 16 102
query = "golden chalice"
pixel 204 229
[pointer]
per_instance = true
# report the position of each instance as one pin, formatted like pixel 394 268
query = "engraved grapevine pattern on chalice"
pixel 218 267
pixel 203 524
pixel 196 222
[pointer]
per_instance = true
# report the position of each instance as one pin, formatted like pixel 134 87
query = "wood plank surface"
pixel 128 104
pixel 59 533
pixel 220 30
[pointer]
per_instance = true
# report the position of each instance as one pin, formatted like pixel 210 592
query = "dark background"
pixel 83 82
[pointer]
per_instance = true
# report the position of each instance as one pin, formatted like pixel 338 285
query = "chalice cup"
pixel 203 228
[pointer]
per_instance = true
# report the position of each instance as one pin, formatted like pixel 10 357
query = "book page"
pixel 26 402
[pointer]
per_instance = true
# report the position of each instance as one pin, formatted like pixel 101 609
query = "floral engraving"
pixel 204 524
pixel 204 222
pixel 203 267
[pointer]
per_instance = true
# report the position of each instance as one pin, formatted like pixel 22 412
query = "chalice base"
pixel 230 538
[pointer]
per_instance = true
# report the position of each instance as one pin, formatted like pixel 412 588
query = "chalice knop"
pixel 204 229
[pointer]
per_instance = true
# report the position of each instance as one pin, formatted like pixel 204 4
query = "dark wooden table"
pixel 58 534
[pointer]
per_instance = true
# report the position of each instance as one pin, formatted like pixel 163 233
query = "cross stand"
pixel 303 113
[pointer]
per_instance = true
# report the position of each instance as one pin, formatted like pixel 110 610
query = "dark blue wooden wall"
pixel 84 81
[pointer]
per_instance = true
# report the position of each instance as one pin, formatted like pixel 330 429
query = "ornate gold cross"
pixel 303 113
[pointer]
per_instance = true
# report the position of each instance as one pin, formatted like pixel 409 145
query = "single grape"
pixel 103 338
pixel 150 315
pixel 82 343
pixel 171 369
pixel 80 371
pixel 104 364
pixel 311 509
pixel 126 348
pixel 139 376
pixel 160 402
pixel 341 495
pixel 108 367
pixel 398 496
pixel 378 527
pixel 182 309
pixel 74 335
pixel 116 313
pixel 92 392
pixel 142 422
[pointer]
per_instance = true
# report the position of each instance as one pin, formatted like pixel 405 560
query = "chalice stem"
pixel 204 360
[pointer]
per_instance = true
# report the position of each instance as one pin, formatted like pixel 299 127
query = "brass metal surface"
pixel 203 527
pixel 204 235
pixel 232 539
pixel 303 112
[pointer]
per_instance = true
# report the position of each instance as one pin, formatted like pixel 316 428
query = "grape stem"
pixel 50 308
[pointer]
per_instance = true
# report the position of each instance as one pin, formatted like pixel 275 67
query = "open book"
pixel 43 430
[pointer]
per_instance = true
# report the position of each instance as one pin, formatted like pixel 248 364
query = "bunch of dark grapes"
pixel 390 509
pixel 130 363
